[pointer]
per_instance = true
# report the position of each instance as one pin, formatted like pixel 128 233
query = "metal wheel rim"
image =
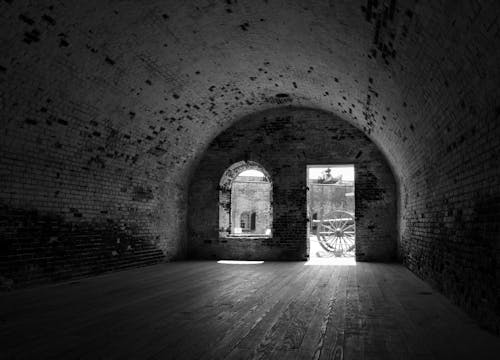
pixel 337 233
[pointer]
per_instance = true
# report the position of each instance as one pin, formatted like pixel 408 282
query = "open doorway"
pixel 330 209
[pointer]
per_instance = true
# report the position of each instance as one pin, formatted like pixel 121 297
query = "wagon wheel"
pixel 336 233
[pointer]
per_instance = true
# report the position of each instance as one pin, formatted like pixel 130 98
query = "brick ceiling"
pixel 168 76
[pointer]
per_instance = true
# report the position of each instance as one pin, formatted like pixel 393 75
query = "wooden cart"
pixel 335 232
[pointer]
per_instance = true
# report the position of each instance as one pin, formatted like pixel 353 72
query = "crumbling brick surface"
pixel 98 96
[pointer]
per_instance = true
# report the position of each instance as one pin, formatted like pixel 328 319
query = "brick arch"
pixel 285 141
pixel 225 187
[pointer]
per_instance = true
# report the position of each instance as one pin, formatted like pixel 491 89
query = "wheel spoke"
pixel 332 227
pixel 329 244
pixel 337 234
pixel 342 244
pixel 328 224
pixel 329 227
pixel 346 246
pixel 340 223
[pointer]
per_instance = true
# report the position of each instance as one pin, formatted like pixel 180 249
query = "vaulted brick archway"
pixel 109 108
pixel 285 141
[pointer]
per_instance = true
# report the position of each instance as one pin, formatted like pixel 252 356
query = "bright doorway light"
pixel 239 262
pixel 331 209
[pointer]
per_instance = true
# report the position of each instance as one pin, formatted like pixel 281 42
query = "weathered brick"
pixel 284 141
pixel 107 108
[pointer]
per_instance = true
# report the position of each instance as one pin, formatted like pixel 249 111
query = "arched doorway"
pixel 245 193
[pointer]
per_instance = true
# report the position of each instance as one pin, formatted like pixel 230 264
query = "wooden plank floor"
pixel 275 310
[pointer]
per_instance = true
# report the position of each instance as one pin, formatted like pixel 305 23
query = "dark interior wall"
pixel 450 211
pixel 81 192
pixel 284 141
pixel 72 201
pixel 142 87
pixel 85 184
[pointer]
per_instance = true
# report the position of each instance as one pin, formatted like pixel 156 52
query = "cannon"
pixel 335 232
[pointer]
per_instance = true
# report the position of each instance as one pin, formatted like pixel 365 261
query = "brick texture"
pixel 107 108
pixel 284 142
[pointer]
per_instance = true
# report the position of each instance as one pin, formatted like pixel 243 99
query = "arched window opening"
pixel 245 201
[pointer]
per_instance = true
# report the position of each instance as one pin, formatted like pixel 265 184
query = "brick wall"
pixel 84 184
pixel 68 211
pixel 446 149
pixel 79 195
pixel 98 96
pixel 284 141
pixel 450 211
